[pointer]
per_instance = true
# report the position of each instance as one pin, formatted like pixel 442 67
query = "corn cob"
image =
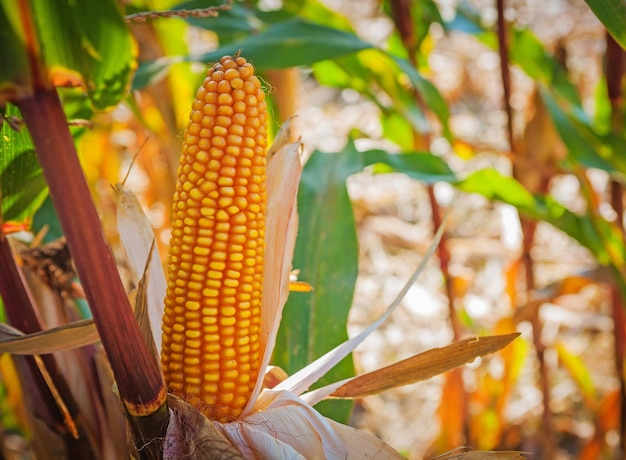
pixel 211 347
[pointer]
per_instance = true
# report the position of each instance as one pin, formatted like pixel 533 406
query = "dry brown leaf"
pixel 137 236
pixel 540 151
pixel 192 436
pixel 141 308
pixel 479 455
pixel 283 137
pixel 66 337
pixel 422 366
pixel 113 422
pixel 58 399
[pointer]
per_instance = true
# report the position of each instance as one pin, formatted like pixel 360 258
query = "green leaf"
pixel 597 235
pixel 22 183
pixel 432 96
pixel 397 129
pixel 14 65
pixel 234 23
pixel 316 11
pixel 292 43
pixel 421 166
pixel 327 257
pixel 79 43
pixel 583 144
pixel 285 44
pixel 613 15
pixel 373 70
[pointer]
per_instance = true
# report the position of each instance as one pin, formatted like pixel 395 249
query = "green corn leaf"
pixel 583 144
pixel 78 43
pixel 285 44
pixel 22 183
pixel 327 256
pixel 372 70
pixel 613 15
pixel 596 234
pixel 421 166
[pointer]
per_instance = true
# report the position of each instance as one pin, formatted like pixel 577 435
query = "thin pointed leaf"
pixel 613 16
pixel 71 335
pixel 303 379
pixel 314 322
pixel 142 312
pixel 422 366
pixel 421 166
pixel 580 374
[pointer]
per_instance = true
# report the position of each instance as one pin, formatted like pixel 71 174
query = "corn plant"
pixel 119 360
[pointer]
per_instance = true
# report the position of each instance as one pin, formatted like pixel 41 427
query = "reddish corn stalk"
pixel 137 375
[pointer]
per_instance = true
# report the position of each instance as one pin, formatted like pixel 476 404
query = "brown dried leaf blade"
pixel 422 366
pixel 141 309
pixel 192 436
pixel 72 335
pixel 479 454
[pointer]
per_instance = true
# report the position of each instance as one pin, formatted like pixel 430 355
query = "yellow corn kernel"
pixel 216 262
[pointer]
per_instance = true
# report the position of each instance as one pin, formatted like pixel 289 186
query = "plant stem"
pixel 401 14
pixel 615 66
pixel 137 375
pixel 528 234
pixel 22 314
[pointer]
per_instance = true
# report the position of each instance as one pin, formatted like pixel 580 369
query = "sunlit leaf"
pixel 22 185
pixel 78 44
pixel 285 44
pixel 583 145
pixel 374 69
pixel 598 235
pixel 314 322
pixel 424 167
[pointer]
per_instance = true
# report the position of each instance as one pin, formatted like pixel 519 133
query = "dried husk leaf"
pixel 479 455
pixel 137 237
pixel 142 309
pixel 285 427
pixel 192 436
pixel 283 177
pixel 102 429
pixel 283 137
pixel 363 445
pixel 112 422
pixel 66 337
pixel 422 366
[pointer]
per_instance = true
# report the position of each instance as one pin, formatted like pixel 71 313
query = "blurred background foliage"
pixel 509 114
